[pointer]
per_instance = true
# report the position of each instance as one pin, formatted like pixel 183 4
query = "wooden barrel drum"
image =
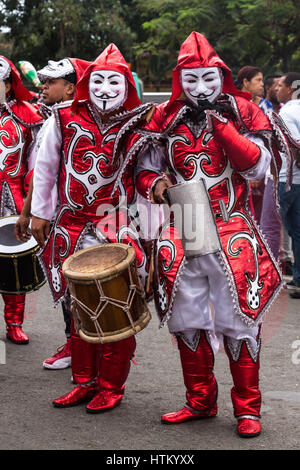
pixel 107 299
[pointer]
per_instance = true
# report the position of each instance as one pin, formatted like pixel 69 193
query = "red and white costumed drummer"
pixel 19 125
pixel 58 80
pixel 212 131
pixel 90 144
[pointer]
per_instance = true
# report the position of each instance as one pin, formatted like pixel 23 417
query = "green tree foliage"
pixel 52 29
pixel 267 33
pixel 259 32
pixel 166 24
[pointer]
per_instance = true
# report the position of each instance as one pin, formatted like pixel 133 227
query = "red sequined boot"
pixel 14 315
pixel 113 372
pixel 245 394
pixel 201 386
pixel 85 367
pixel 248 427
pixel 80 394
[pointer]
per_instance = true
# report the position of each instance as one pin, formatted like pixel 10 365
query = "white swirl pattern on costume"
pixel 7 150
pixel 161 244
pixel 225 174
pixel 92 179
pixel 55 268
pixel 253 295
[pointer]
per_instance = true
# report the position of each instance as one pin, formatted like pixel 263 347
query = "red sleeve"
pixel 145 182
pixel 242 152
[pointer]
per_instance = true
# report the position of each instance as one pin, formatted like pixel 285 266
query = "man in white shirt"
pixel 288 95
pixel 59 80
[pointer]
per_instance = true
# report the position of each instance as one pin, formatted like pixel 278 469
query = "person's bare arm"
pixel 159 189
pixel 21 227
pixel 40 229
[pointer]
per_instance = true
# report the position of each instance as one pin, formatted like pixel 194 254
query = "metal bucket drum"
pixel 194 218
pixel 107 299
pixel 20 270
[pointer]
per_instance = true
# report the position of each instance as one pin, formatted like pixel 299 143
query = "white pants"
pixel 204 302
pixel 90 240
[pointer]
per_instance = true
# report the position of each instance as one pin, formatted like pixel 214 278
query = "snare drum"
pixel 107 299
pixel 20 270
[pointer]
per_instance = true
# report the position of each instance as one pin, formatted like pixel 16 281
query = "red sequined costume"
pixel 92 153
pixel 242 279
pixel 19 125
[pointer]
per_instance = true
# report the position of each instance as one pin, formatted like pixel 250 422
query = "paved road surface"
pixel 29 421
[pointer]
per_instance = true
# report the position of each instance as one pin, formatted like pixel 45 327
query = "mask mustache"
pixel 201 96
pixel 106 96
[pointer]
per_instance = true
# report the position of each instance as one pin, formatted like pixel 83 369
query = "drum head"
pixel 8 242
pixel 99 262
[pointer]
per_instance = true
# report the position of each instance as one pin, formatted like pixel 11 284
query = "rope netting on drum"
pixel 104 301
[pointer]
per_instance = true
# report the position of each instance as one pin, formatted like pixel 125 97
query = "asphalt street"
pixel 28 420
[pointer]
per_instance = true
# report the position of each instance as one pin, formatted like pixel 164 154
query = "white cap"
pixel 54 69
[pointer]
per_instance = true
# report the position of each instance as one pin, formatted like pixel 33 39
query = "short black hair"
pixel 269 79
pixel 290 78
pixel 71 77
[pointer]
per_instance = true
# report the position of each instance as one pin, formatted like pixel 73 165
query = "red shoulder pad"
pixel 26 113
pixel 164 116
pixel 252 117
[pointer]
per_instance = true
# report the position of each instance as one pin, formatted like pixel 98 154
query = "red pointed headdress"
pixel 110 59
pixel 196 52
pixel 80 66
pixel 21 93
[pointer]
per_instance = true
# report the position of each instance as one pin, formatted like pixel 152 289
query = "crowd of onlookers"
pixel 280 94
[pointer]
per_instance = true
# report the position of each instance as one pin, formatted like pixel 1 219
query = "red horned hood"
pixel 110 59
pixel 196 52
pixel 80 66
pixel 21 93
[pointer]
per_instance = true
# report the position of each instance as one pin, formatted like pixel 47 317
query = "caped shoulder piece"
pixel 249 116
pixel 24 112
pixel 165 117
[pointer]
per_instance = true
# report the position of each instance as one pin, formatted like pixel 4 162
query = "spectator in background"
pixel 270 219
pixel 271 224
pixel 250 79
pixel 270 101
pixel 288 94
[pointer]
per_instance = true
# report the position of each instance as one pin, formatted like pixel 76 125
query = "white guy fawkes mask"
pixel 4 69
pixel 108 89
pixel 204 83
